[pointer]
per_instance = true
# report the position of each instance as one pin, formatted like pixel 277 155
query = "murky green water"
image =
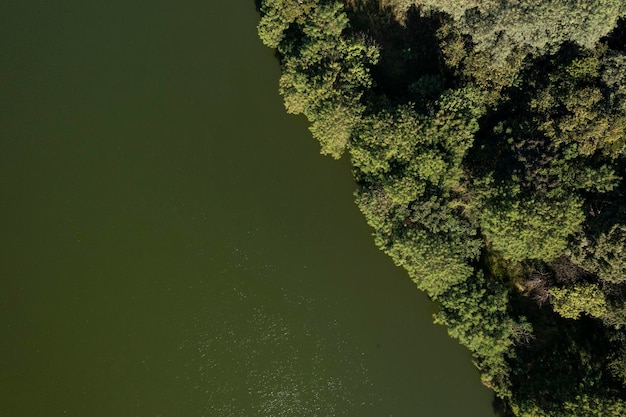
pixel 173 245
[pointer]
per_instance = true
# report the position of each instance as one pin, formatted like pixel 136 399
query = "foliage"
pixel 278 16
pixel 537 25
pixel 488 144
pixel 572 301
pixel 565 372
pixel 531 228
pixel 324 73
pixel 476 313
pixel 410 167
pixel 604 256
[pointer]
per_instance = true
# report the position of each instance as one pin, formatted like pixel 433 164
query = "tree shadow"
pixel 411 66
pixel 566 360
pixel 616 39
pixel 509 134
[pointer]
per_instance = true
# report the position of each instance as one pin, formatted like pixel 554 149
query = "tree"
pixel 278 16
pixel 605 255
pixel 539 26
pixel 572 301
pixel 476 313
pixel 324 73
pixel 522 228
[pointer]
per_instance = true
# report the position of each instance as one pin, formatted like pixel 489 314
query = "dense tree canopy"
pixel 488 144
pixel 499 26
pixel 324 72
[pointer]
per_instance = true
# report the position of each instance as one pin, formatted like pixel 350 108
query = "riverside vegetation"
pixel 487 139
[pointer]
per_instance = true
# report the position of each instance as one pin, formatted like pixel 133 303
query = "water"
pixel 174 245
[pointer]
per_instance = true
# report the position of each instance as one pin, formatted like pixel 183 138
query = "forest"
pixel 488 142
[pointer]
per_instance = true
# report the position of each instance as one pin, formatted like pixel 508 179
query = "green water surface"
pixel 172 243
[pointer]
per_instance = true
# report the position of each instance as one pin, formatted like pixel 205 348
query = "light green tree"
pixel 582 298
pixel 531 228
pixel 324 71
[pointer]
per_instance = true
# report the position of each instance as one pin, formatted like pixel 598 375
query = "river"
pixel 174 245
